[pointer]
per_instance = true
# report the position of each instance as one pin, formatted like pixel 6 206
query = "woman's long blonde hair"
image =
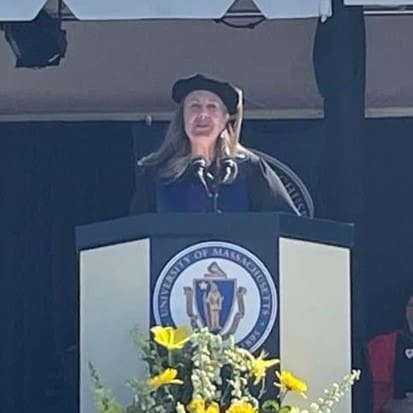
pixel 174 155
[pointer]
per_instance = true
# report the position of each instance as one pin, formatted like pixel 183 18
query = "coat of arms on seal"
pixel 215 296
pixel 221 286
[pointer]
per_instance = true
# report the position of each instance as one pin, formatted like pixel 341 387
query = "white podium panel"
pixel 315 316
pixel 114 298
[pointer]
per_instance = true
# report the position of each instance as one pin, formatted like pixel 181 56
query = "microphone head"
pixel 229 169
pixel 198 162
pixel 228 163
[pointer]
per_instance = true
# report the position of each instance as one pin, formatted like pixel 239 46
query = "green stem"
pixel 225 393
pixel 282 395
pixel 169 358
pixel 262 390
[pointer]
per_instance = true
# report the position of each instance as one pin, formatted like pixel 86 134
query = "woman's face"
pixel 205 116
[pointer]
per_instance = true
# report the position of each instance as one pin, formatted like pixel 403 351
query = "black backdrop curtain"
pixel 340 61
pixel 387 222
pixel 53 177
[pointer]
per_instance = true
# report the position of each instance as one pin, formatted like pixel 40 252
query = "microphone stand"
pixel 230 167
pixel 215 196
pixel 212 191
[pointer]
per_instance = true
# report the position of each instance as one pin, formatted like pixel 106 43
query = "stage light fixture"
pixel 38 43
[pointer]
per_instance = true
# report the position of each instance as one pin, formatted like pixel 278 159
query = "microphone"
pixel 229 170
pixel 199 166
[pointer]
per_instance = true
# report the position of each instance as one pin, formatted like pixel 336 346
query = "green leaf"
pixel 270 406
pixel 110 406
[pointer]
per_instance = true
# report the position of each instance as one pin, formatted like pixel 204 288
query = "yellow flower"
pixel 169 337
pixel 197 405
pixel 240 407
pixel 289 382
pixel 259 366
pixel 168 376
pixel 212 408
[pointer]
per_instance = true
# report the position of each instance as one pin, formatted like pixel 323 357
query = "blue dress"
pixel 256 188
pixel 188 194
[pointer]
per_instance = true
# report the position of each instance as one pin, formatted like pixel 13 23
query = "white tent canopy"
pixel 123 70
pixel 382 3
pixel 164 9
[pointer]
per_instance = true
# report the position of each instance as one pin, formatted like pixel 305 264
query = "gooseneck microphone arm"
pixel 229 170
pixel 199 166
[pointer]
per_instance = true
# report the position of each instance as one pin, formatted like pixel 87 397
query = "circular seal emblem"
pixel 221 286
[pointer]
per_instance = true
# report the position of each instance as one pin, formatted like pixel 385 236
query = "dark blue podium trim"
pixel 317 230
pixel 214 225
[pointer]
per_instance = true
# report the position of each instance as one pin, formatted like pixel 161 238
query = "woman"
pixel 391 366
pixel 201 166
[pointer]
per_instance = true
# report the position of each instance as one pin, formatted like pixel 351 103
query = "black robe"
pixel 256 188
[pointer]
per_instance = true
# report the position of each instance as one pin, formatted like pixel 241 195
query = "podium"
pixel 274 281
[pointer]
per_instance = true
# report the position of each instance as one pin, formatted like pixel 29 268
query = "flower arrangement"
pixel 201 373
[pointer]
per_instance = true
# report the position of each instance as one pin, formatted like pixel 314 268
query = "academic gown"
pixel 391 367
pixel 256 188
